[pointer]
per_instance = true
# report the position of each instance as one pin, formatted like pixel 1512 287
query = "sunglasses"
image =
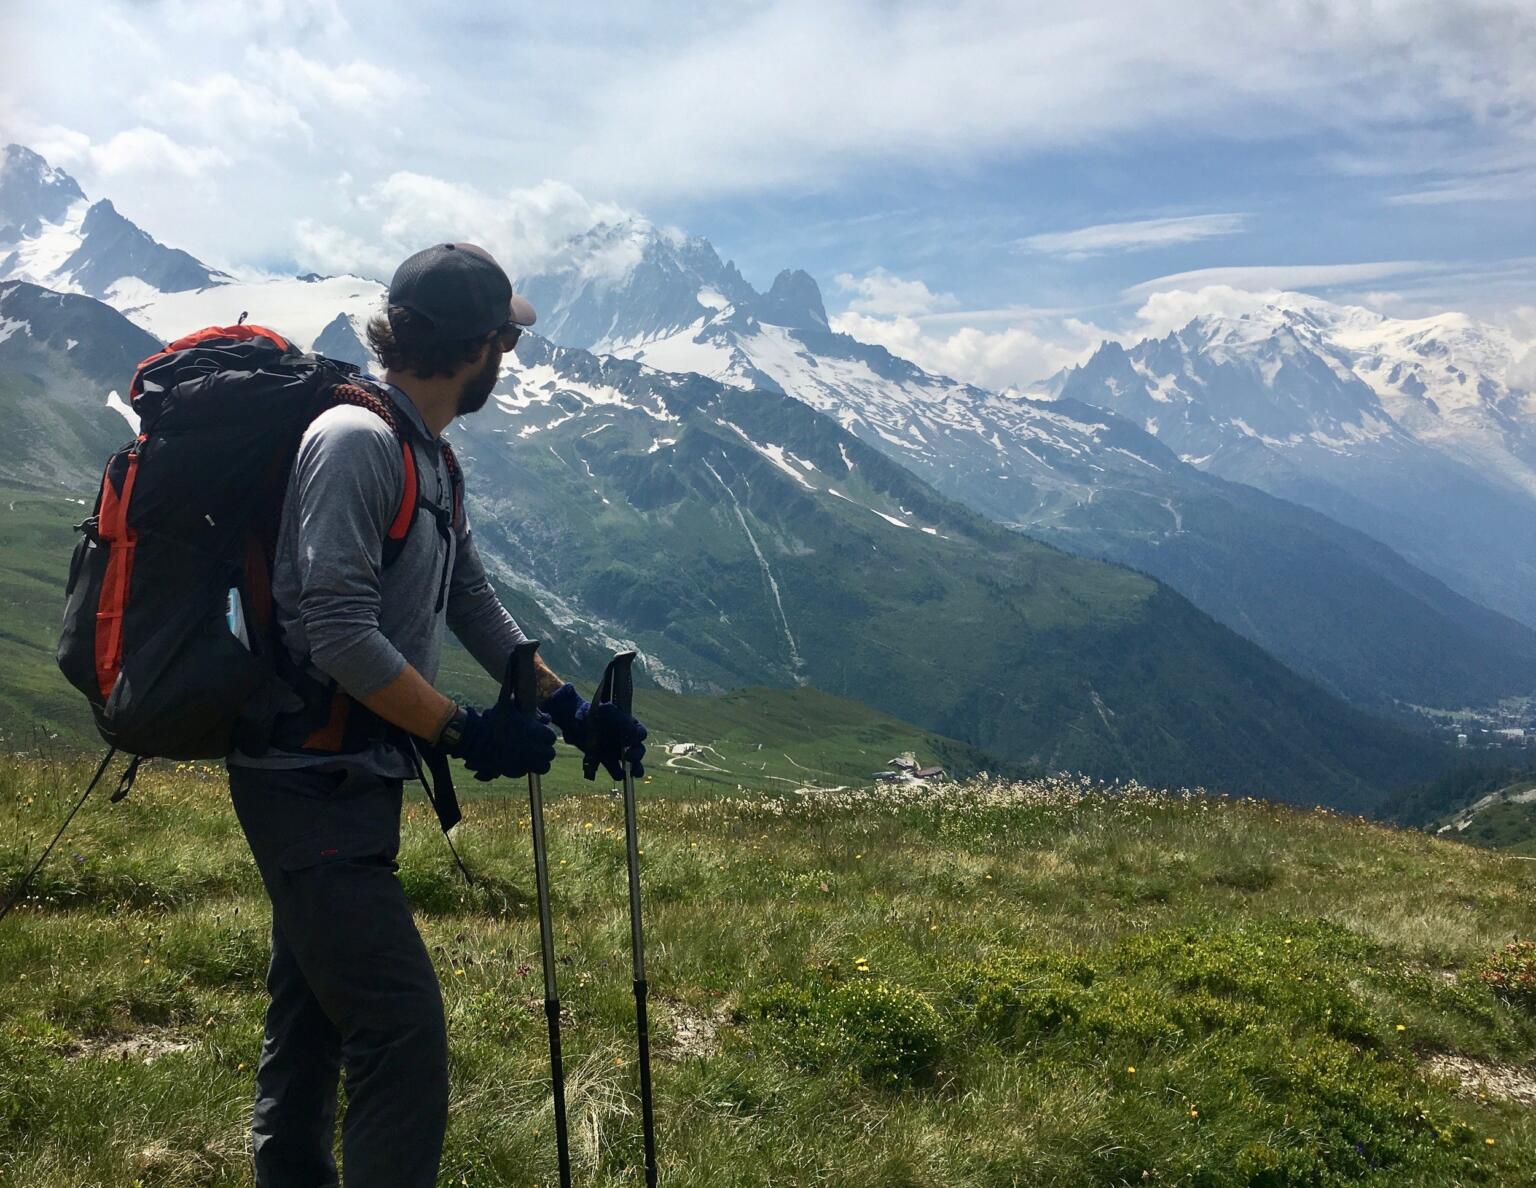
pixel 508 335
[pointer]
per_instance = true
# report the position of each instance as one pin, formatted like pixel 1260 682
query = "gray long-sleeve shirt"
pixel 338 608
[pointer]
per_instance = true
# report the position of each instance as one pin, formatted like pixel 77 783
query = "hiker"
pixel 352 987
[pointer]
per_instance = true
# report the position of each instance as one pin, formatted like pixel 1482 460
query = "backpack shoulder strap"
pixel 457 477
pixel 405 515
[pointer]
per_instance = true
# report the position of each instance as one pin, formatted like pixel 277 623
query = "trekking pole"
pixel 521 686
pixel 618 686
pixel 26 880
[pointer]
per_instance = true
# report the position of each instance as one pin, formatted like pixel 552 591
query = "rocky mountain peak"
pixel 32 192
pixel 629 282
pixel 113 248
pixel 43 221
pixel 794 300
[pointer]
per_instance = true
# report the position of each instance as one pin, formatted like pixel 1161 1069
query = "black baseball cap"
pixel 460 290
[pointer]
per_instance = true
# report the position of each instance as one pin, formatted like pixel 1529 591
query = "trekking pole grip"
pixel 618 683
pixel 521 684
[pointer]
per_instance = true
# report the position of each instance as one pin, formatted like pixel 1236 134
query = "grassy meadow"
pixel 980 984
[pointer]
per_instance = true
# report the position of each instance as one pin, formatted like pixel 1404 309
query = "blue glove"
pixel 604 733
pixel 501 741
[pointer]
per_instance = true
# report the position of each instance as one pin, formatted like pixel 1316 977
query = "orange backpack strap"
pixel 405 515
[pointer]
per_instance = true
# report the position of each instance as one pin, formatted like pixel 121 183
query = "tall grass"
pixel 984 984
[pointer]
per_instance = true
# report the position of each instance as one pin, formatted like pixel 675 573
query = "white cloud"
pixel 1514 186
pixel 1133 236
pixel 670 106
pixel 1522 373
pixel 523 228
pixel 222 108
pixel 1172 309
pixel 1282 276
pixel 150 151
pixel 884 295
pixel 353 86
pixel 1014 357
pixel 813 91
pixel 61 147
pixel 1521 322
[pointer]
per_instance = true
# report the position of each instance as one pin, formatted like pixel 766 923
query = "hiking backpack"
pixel 168 625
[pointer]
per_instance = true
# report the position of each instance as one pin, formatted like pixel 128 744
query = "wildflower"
pixel 1401 1027
pixel 1130 1068
pixel 1194 1113
pixel 1488 1141
pixel 458 973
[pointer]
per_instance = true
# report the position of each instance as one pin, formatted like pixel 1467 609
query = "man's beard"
pixel 477 388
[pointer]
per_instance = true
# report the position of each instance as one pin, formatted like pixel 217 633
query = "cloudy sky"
pixel 987 186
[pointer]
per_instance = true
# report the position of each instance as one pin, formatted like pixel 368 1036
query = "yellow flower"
pixel 1130 1068
pixel 1401 1027
pixel 1194 1113
pixel 1489 1141
pixel 458 973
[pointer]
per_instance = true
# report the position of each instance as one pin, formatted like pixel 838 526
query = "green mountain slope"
pixel 60 356
pixel 740 537
pixel 1331 602
pixel 757 738
pixel 1501 816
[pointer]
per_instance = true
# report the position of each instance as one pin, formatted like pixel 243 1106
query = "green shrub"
pixel 884 1032
pixel 1018 995
pixel 1511 973
pixel 1143 1017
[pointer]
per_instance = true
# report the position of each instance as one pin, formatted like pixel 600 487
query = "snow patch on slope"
pixel 39 258
pixel 298 310
pixel 795 660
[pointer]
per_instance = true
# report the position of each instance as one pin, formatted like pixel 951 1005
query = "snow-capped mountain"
pixel 968 441
pixel 51 235
pixel 1078 476
pixel 1452 382
pixel 1414 432
pixel 743 538
pixel 630 281
pixel 1331 603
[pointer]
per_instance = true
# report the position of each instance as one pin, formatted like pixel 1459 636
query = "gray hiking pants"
pixel 352 987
